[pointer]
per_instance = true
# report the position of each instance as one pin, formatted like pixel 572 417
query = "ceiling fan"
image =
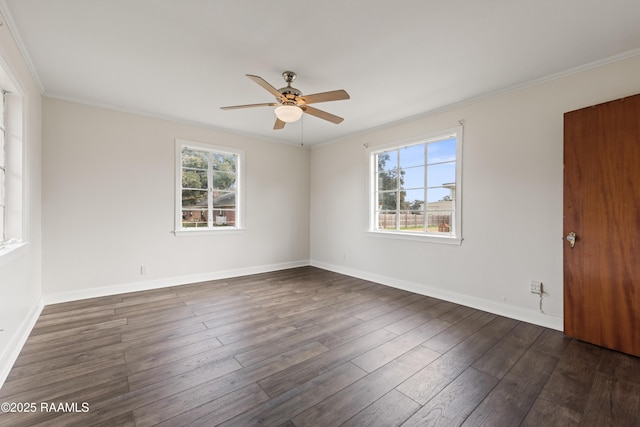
pixel 291 103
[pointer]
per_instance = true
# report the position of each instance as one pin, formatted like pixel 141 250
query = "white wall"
pixel 512 199
pixel 20 272
pixel 108 203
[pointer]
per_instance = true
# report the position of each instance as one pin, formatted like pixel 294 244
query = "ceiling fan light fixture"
pixel 288 113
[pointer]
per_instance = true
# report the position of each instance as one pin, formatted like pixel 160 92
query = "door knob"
pixel 571 238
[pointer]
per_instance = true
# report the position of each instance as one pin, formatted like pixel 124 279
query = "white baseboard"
pixel 11 353
pixel 507 310
pixel 146 285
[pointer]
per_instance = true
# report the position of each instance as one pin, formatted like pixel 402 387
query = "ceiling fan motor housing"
pixel 289 92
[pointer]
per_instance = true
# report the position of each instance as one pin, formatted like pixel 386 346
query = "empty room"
pixel 319 213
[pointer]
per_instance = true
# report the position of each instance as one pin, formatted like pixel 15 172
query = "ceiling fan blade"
pixel 262 82
pixel 279 124
pixel 322 114
pixel 234 107
pixel 334 95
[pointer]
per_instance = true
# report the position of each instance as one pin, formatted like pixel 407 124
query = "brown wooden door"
pixel 602 206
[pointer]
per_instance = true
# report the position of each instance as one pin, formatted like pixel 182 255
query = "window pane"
pixel 438 195
pixel 224 200
pixel 224 162
pixel 413 177
pixel 224 181
pixel 387 180
pixel 194 159
pixel 387 161
pixel 224 217
pixel 440 222
pixel 194 199
pixel 194 218
pixel 412 156
pixel 442 151
pixel 412 221
pixel 413 200
pixel 387 220
pixel 441 174
pixel 387 200
pixel 194 178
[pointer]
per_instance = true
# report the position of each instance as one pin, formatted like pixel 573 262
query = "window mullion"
pixel 398 190
pixel 426 186
pixel 210 191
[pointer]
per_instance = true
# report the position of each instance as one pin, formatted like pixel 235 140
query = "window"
pixel 416 188
pixel 12 233
pixel 208 187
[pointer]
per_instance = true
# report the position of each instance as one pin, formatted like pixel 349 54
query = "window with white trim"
pixel 416 188
pixel 208 187
pixel 12 206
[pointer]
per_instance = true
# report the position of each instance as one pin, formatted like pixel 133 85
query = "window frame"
pixel 179 230
pixel 13 241
pixel 372 152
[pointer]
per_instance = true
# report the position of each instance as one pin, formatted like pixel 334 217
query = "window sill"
pixel 208 232
pixel 416 237
pixel 12 251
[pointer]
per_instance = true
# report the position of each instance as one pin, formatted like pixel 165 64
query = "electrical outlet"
pixel 536 287
pixel 143 269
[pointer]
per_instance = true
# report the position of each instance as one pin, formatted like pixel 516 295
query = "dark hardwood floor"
pixel 308 347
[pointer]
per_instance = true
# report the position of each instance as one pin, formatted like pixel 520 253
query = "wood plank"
pixel 620 366
pixel 202 340
pixel 296 375
pixel 386 308
pixel 454 404
pixel 54 391
pixel 51 417
pixel 392 409
pixel 431 380
pixel 509 402
pixel 283 342
pixel 408 323
pixel 21 384
pixel 448 339
pixel 193 391
pixel 499 360
pixel 75 347
pixel 570 383
pixel 95 303
pixel 346 403
pixel 547 413
pixel 212 363
pixel 613 402
pixel 72 332
pixel 551 342
pixel 385 353
pixel 343 336
pixel 281 408
pixel 219 410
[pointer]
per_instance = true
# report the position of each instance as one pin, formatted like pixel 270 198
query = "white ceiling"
pixel 185 59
